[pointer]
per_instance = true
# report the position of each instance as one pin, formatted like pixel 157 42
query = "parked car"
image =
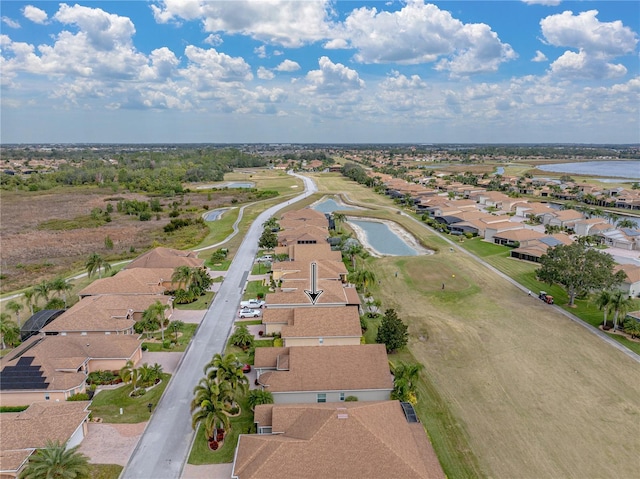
pixel 265 259
pixel 252 303
pixel 246 368
pixel 249 313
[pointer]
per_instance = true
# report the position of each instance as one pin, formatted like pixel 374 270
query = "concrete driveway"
pixel 207 471
pixel 111 443
pixel 188 316
pixel 168 361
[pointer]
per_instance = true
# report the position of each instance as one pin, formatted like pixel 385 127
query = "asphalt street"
pixel 164 447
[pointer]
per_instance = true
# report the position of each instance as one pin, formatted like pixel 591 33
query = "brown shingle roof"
pixel 309 252
pixel 103 313
pixel 339 440
pixel 632 271
pixel 131 281
pixel 166 258
pixel 331 368
pixel 40 422
pixel 304 216
pixel 323 322
pixel 303 234
pixel 301 270
pixel 333 293
pixel 522 234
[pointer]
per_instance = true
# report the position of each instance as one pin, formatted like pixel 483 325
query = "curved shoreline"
pixel 395 228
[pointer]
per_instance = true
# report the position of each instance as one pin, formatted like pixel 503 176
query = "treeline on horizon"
pixel 162 172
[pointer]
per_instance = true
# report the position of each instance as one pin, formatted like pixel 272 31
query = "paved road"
pixel 162 450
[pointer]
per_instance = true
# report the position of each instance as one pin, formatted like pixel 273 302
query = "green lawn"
pixel 260 268
pixel 218 265
pixel 105 471
pixel 524 272
pixel 107 404
pixel 202 302
pixel 253 289
pixel 187 330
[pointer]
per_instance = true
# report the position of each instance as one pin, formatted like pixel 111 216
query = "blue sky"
pixel 193 71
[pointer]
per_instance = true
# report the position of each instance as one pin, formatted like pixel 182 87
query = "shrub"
pixel 78 397
pixel 351 398
pixel 12 408
pixel 138 392
pixel 144 216
pixel 277 343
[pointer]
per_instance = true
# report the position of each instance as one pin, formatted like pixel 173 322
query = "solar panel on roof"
pixel 23 375
pixel 409 412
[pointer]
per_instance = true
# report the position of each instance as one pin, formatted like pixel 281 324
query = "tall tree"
pixel 16 307
pixel 61 286
pixel 338 219
pixel 129 374
pixel 181 276
pixel 405 381
pixel 228 369
pixel 603 302
pixel 154 317
pixel 268 240
pixel 176 326
pixel 208 407
pixel 42 290
pixel 96 264
pixel 627 223
pixel 57 462
pixel 620 305
pixel 9 331
pixel 29 296
pixel 241 337
pixel 392 331
pixel 578 269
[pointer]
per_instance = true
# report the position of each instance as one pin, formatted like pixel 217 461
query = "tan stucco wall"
pixel 273 328
pixel 288 342
pixel 28 398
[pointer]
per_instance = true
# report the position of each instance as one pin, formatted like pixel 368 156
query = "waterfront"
pixel 627 170
pixel 384 238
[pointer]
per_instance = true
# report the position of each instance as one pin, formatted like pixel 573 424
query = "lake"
pixel 330 205
pixel 629 170
pixel 383 240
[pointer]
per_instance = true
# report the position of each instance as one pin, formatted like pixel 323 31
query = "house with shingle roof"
pixel 373 440
pixel 105 314
pixel 303 217
pixel 314 326
pixel 631 284
pixel 154 281
pixel 26 431
pixel 517 237
pixel 300 271
pixel 532 209
pixel 309 252
pixel 293 295
pixel 625 238
pixel 590 226
pixel 309 374
pixel 162 257
pixel 535 248
pixel 53 368
pixel 562 218
pixel 306 234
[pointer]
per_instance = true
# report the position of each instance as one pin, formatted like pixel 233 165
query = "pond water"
pixel 239 184
pixel 330 205
pixel 380 237
pixel 214 214
pixel 629 170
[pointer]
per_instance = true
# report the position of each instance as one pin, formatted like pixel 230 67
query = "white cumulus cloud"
pixel 597 43
pixel 540 57
pixel 265 74
pixel 549 3
pixel 35 14
pixel 333 78
pixel 289 23
pixel 422 33
pixel 288 66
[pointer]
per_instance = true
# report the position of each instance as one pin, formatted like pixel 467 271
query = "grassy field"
pixel 202 302
pixel 510 387
pixel 105 471
pixel 183 339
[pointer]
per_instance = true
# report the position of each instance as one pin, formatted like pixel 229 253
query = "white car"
pixel 249 313
pixel 252 303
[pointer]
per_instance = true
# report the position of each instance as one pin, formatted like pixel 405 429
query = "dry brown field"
pixel 537 395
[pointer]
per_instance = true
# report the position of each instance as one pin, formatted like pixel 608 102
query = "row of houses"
pixel 61 348
pixel 314 428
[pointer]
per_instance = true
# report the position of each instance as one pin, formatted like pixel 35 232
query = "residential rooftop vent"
pixel 342 413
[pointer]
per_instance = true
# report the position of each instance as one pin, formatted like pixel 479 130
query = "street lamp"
pixel 150 406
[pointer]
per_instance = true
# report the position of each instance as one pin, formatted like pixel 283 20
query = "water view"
pixel 214 214
pixel 380 237
pixel 330 205
pixel 619 169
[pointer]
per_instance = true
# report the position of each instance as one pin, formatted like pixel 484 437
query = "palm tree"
pixel 362 277
pixel 627 223
pixel 182 276
pixel 241 337
pixel 154 315
pixel 405 381
pixel 620 304
pixel 61 285
pixel 208 407
pixel 16 308
pixel 338 219
pixel 9 331
pixel 259 396
pixel 97 264
pixel 603 302
pixel 57 462
pixel 42 290
pixel 129 374
pixel 227 369
pixel 29 296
